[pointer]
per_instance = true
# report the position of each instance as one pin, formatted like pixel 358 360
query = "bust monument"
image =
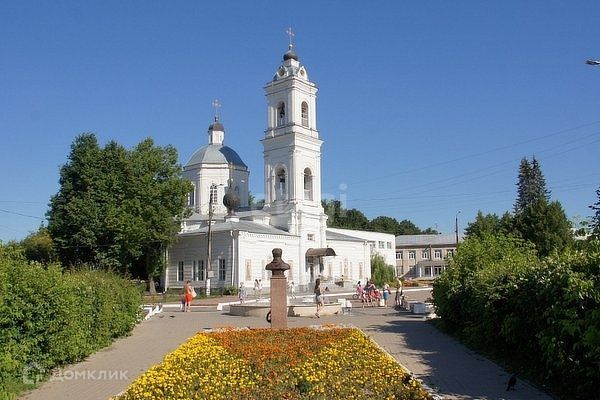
pixel 277 266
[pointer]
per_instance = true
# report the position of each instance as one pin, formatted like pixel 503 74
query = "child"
pixel 242 293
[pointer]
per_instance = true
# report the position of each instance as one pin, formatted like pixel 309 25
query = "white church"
pixel 217 248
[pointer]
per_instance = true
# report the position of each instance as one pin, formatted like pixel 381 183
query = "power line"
pixel 22 215
pixel 542 137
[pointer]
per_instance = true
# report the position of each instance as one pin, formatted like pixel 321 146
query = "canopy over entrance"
pixel 321 252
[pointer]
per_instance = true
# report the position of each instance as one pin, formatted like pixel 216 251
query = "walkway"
pixel 441 362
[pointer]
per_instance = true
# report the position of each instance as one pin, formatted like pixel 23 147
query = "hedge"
pixel 49 317
pixel 543 315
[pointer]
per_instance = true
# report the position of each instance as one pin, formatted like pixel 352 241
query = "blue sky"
pixel 425 108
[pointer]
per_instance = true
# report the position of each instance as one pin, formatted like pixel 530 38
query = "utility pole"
pixel 209 245
pixel 456 227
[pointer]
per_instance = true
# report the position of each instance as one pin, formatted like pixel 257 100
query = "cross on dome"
pixel 216 105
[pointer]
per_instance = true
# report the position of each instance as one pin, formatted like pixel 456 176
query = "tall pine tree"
pixel 531 185
pixel 596 217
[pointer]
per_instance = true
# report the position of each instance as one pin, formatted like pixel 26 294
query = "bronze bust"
pixel 277 266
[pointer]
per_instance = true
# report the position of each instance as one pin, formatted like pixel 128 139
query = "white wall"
pixel 388 251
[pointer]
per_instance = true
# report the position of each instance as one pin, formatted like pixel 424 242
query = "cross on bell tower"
pixel 291 34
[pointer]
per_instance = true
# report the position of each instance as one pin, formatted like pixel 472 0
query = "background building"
pixel 423 256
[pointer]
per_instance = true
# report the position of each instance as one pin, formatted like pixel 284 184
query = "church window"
pixel 304 113
pixel 308 185
pixel 399 255
pixel 281 114
pixel 412 254
pixel 222 270
pixel 437 254
pixel 280 185
pixel 180 271
pixel 213 194
pixel 198 270
pixel 381 244
pixel 425 254
pixel 192 197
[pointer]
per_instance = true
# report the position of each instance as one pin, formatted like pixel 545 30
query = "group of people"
pixel 369 295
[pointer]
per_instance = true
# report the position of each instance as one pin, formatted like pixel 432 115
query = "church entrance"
pixel 314 261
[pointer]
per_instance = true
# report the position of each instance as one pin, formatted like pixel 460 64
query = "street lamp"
pixel 592 62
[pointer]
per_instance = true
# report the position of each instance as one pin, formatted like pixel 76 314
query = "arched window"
pixel 308 184
pixel 280 114
pixel 280 185
pixel 192 197
pixel 304 114
pixel 212 200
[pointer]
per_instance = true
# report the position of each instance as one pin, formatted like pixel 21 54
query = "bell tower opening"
pixel 308 184
pixel 304 114
pixel 281 114
pixel 280 185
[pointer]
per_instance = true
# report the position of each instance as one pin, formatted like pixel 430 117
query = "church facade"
pixel 221 246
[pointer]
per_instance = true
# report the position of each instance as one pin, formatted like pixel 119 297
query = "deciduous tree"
pixel 118 209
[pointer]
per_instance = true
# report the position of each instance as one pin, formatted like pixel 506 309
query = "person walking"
pixel 259 289
pixel 318 297
pixel 242 293
pixel 398 297
pixel 187 296
pixel 292 290
pixel 256 288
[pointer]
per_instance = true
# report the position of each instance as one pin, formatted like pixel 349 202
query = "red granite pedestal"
pixel 279 308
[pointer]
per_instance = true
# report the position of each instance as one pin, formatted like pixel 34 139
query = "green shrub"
pixel 49 317
pixel 543 315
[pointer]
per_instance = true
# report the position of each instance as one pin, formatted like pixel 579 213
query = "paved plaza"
pixel 447 367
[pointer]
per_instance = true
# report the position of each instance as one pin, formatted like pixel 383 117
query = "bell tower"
pixel 292 152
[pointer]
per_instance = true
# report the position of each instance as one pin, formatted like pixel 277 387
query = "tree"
pixel 118 209
pixel 545 225
pixel 430 231
pixel 406 227
pixel 490 224
pixel 339 217
pixel 384 224
pixel 380 271
pixel 355 219
pixel 531 185
pixel 333 209
pixel 37 246
pixel 596 218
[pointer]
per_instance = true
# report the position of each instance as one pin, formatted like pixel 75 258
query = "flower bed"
pixel 302 363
